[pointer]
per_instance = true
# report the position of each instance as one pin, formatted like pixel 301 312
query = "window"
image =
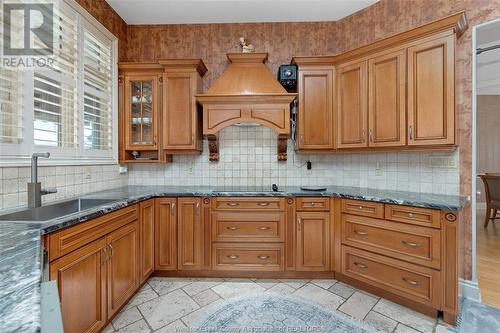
pixel 69 109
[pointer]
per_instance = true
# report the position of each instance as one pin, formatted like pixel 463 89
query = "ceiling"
pixel 234 11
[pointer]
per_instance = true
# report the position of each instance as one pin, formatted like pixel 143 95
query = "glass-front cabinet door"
pixel 141 94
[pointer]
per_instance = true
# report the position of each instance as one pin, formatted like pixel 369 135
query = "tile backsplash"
pixel 248 158
pixel 69 181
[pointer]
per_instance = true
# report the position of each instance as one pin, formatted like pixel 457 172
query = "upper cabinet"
pixel 315 115
pixel 352 105
pixel 394 94
pixel 431 92
pixel 158 114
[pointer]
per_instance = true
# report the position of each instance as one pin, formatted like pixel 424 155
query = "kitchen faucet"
pixel 35 191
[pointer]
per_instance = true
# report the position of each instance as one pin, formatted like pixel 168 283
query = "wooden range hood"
pixel 246 92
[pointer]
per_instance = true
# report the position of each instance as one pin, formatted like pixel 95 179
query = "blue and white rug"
pixel 273 313
pixel 477 317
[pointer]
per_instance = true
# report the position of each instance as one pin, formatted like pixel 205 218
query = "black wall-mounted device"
pixel 287 76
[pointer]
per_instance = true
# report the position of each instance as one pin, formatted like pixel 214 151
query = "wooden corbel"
pixel 282 143
pixel 213 147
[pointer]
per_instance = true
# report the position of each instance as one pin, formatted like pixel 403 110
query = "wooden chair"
pixel 492 190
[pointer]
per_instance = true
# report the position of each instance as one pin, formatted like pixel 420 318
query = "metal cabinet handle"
pixel 233 256
pixel 105 258
pixel 412 282
pixel 410 215
pixel 370 135
pixel 172 211
pixel 197 208
pixel 312 204
pixel 232 204
pixel 302 139
pixel 112 251
pixel 263 204
pixel 263 257
pixel 360 265
pixel 299 223
pixel 264 228
pixel 232 228
pixel 360 207
pixel 411 244
pixel 361 233
pixel 363 136
pixel 410 132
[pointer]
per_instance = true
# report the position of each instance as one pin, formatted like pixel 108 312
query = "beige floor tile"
pixel 380 322
pixel 126 317
pixel 205 297
pixel 138 327
pixel 342 289
pixel 266 283
pixel 235 288
pixel 358 305
pixel 281 289
pixel 141 297
pixel 108 329
pixel 175 327
pixel 406 316
pixel 202 285
pixel 319 296
pixel 404 329
pixel 167 308
pixel 166 285
pixel 194 319
pixel 295 283
pixel 324 283
pixel 440 328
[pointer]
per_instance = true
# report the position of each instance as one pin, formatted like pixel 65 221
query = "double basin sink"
pixel 49 212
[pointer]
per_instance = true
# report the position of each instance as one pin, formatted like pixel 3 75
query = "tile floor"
pixel 174 304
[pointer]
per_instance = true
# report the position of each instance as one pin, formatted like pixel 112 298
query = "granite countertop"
pixel 20 245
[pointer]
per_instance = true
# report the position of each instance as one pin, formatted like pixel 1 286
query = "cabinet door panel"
pixel 147 220
pixel 190 234
pixel 313 241
pixel 123 265
pixel 431 100
pixel 180 117
pixel 81 280
pixel 315 124
pixel 387 99
pixel 352 115
pixel 166 234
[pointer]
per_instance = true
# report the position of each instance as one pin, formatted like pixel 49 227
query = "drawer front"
pixel 247 226
pixel 417 245
pixel 363 208
pixel 66 240
pixel 313 204
pixel 248 203
pixel 248 257
pixel 411 281
pixel 413 215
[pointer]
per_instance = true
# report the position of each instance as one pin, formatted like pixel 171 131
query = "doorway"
pixel 486 168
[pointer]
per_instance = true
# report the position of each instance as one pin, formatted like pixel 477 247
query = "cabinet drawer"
pixel 417 283
pixel 418 245
pixel 248 203
pixel 313 204
pixel 363 208
pixel 248 257
pixel 413 215
pixel 66 240
pixel 248 226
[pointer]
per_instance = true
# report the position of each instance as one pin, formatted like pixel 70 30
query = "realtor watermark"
pixel 28 35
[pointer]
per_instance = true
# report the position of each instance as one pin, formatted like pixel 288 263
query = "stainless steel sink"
pixel 49 212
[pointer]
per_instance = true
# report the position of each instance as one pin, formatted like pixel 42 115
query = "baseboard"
pixel 470 290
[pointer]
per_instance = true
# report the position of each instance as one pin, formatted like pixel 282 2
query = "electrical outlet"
pixel 88 176
pixel 378 170
pixel 442 162
pixel 123 169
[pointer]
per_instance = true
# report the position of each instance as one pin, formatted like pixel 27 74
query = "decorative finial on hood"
pixel 246 48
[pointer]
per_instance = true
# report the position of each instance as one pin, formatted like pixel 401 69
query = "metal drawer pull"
pixel 105 258
pixel 410 214
pixel 413 283
pixel 264 228
pixel 232 204
pixel 263 257
pixel 361 233
pixel 312 203
pixel 112 251
pixel 360 265
pixel 233 256
pixel 232 228
pixel 263 204
pixel 360 207
pixel 411 244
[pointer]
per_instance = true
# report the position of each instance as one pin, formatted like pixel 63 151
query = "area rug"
pixel 273 313
pixel 477 317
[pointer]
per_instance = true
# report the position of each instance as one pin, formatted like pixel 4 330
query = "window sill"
pixel 25 161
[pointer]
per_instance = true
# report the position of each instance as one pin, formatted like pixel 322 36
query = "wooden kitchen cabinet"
pixel 147 240
pixel 81 281
pixel 352 109
pixel 190 234
pixel 313 241
pixel 431 92
pixel 181 124
pixel 387 99
pixel 166 234
pixel 122 266
pixel 315 124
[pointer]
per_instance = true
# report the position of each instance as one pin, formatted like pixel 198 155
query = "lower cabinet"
pixel 313 241
pixel 166 234
pixel 147 240
pixel 190 234
pixel 81 280
pixel 97 279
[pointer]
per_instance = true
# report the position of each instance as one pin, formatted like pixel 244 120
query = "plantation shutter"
pixel 10 106
pixel 97 87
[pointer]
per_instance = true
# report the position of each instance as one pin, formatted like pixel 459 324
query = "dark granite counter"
pixel 20 246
